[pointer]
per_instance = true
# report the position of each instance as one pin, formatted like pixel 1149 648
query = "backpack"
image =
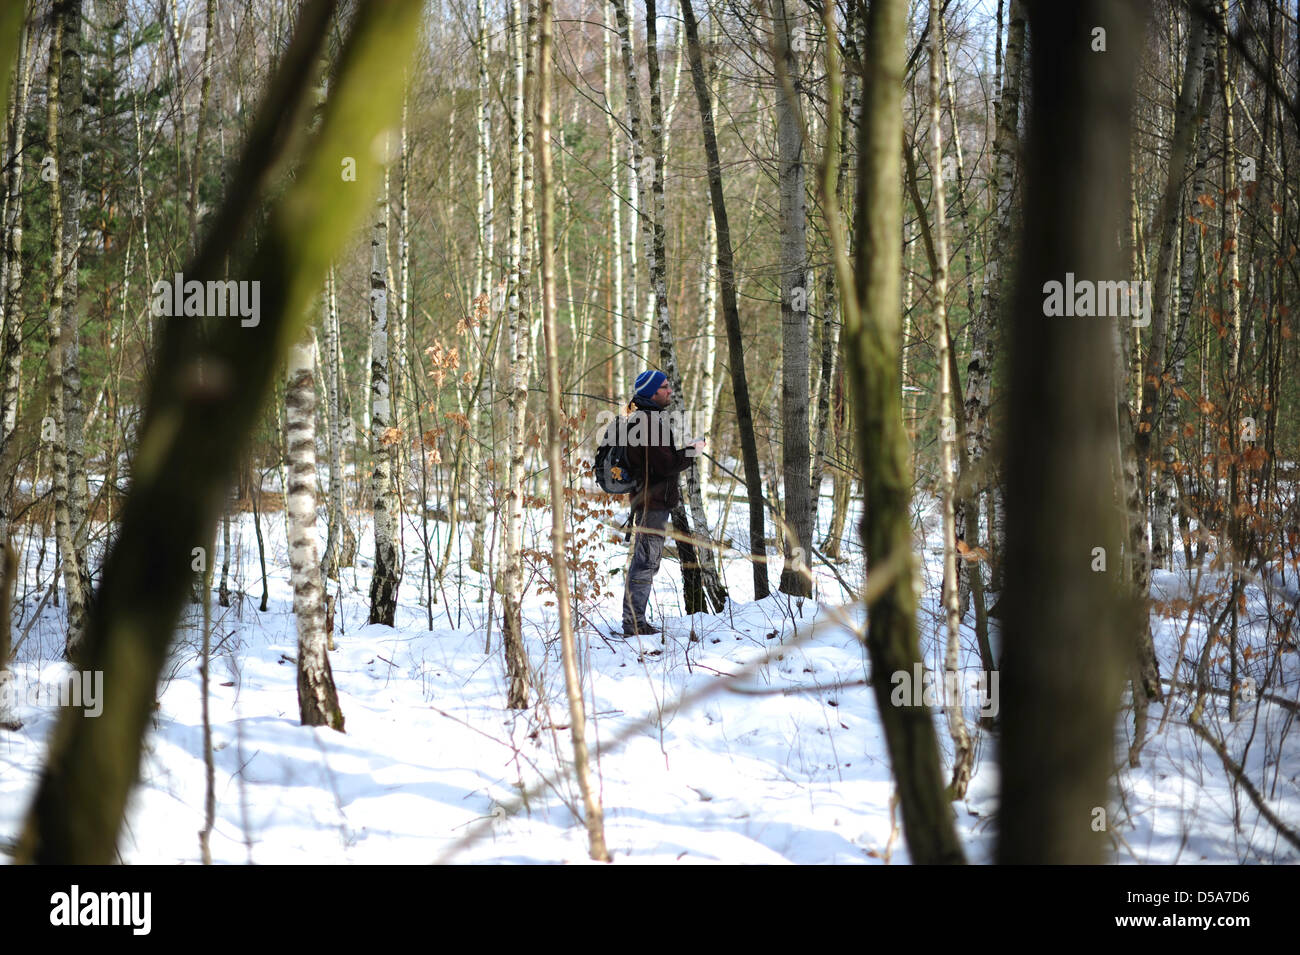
pixel 615 471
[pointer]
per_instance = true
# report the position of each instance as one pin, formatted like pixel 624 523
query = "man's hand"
pixel 696 448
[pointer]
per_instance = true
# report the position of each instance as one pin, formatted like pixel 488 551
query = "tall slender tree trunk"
pixel 479 310
pixel 963 753
pixel 730 311
pixel 967 503
pixel 489 269
pixel 10 160
pixel 200 132
pixel 1188 268
pixel 1180 155
pixel 11 278
pixel 1233 532
pixel 8 576
pixel 1199 70
pixel 870 300
pixel 482 279
pixel 13 39
pixel 634 332
pixel 56 432
pixel 386 574
pixel 1128 368
pixel 152 323
pixel 334 510
pixel 708 402
pixel 224 588
pixel 800 512
pixel 72 120
pixel 399 376
pixel 1146 672
pixel 318 700
pixel 826 375
pixel 517 389
pixel 979 369
pixel 831 424
pixel 1067 619
pixel 180 92
pixel 618 318
pixel 205 711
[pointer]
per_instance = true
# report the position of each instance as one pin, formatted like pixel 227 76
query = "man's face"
pixel 664 396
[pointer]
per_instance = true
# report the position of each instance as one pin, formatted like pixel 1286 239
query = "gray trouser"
pixel 647 549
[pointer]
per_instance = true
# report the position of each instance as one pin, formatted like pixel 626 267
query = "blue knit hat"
pixel 648 382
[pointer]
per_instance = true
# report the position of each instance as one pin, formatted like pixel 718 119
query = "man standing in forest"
pixel 653 450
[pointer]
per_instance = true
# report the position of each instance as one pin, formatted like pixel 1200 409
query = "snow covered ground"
pixel 745 737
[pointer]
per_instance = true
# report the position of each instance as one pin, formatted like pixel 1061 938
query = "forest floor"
pixel 745 737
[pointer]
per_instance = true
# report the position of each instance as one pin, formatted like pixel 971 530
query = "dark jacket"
pixel 660 458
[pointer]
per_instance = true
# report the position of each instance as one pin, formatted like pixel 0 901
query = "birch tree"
pixel 617 318
pixel 399 373
pixel 72 120
pixel 13 35
pixel 318 700
pixel 479 307
pixel 1189 259
pixel 967 505
pixel 1146 682
pixel 963 755
pixel 11 276
pixel 340 543
pixel 387 574
pixel 708 402
pixel 832 410
pixel 201 127
pixel 1232 322
pixel 800 511
pixel 8 575
pixel 979 368
pixel 1180 155
pixel 517 390
pixel 54 429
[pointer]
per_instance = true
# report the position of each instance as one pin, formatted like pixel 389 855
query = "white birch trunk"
pixel 708 394
pixel 318 701
pixel 618 320
pixel 796 291
pixel 963 757
pixel 480 309
pixel 979 370
pixel 334 511
pixel 72 118
pixel 54 429
pixel 517 390
pixel 386 573
pixel 11 287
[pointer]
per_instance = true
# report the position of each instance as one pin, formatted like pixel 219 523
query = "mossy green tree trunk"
pixel 871 341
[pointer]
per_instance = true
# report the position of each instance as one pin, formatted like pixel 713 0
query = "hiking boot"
pixel 640 629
